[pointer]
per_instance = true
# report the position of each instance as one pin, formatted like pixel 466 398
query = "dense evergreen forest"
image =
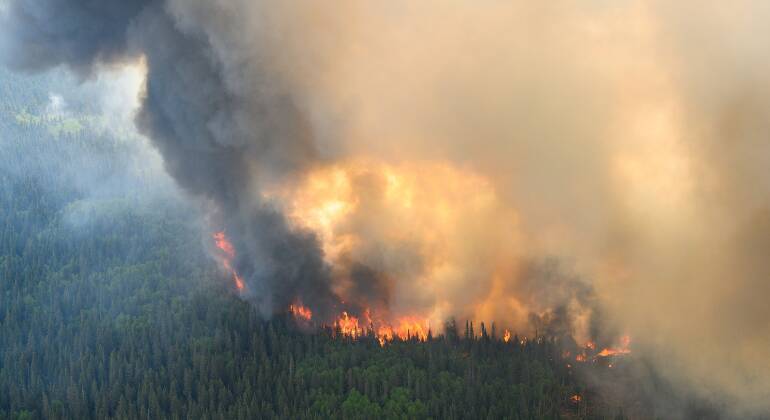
pixel 110 307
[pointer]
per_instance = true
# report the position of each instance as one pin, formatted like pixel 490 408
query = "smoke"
pixel 436 158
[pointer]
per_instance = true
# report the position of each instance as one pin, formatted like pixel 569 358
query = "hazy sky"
pixel 450 147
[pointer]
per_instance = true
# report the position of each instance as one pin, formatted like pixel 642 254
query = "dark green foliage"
pixel 128 320
pixel 110 308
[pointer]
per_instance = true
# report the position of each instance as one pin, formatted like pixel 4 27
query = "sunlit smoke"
pixel 568 168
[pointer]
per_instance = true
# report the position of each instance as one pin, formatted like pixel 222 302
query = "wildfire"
pixel 409 327
pixel 351 326
pixel 622 349
pixel 613 352
pixel 384 334
pixel 589 350
pixel 226 257
pixel 415 327
pixel 576 398
pixel 300 311
pixel 224 245
pixel 362 210
pixel 348 325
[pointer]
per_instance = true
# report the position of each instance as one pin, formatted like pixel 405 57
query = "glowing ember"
pixel 300 311
pixel 226 257
pixel 507 336
pixel 576 399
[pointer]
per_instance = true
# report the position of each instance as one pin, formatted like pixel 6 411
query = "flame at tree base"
pixel 348 325
pixel 404 328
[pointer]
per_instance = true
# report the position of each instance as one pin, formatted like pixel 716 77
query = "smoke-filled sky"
pixel 519 161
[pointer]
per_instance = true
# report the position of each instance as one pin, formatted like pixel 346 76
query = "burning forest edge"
pixel 403 328
pixel 560 170
pixel 585 359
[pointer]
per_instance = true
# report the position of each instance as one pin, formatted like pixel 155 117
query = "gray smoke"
pixel 214 133
pixel 629 136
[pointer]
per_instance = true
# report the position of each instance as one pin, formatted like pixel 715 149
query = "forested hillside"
pixel 110 307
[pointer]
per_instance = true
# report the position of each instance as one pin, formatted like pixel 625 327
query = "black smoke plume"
pixel 210 130
pixel 628 137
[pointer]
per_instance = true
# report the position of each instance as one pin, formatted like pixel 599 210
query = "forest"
pixel 110 307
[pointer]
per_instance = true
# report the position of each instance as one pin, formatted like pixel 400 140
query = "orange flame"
pixel 384 334
pixel 360 207
pixel 576 398
pixel 589 350
pixel 412 327
pixel 348 325
pixel 613 352
pixel 507 336
pixel 622 349
pixel 224 244
pixel 300 311
pixel 228 254
pixel 404 328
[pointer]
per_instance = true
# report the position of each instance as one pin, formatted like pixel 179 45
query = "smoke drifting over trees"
pixel 210 130
pixel 628 139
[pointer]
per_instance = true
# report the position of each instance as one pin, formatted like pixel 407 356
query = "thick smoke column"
pixel 212 127
pixel 433 156
pixel 216 137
